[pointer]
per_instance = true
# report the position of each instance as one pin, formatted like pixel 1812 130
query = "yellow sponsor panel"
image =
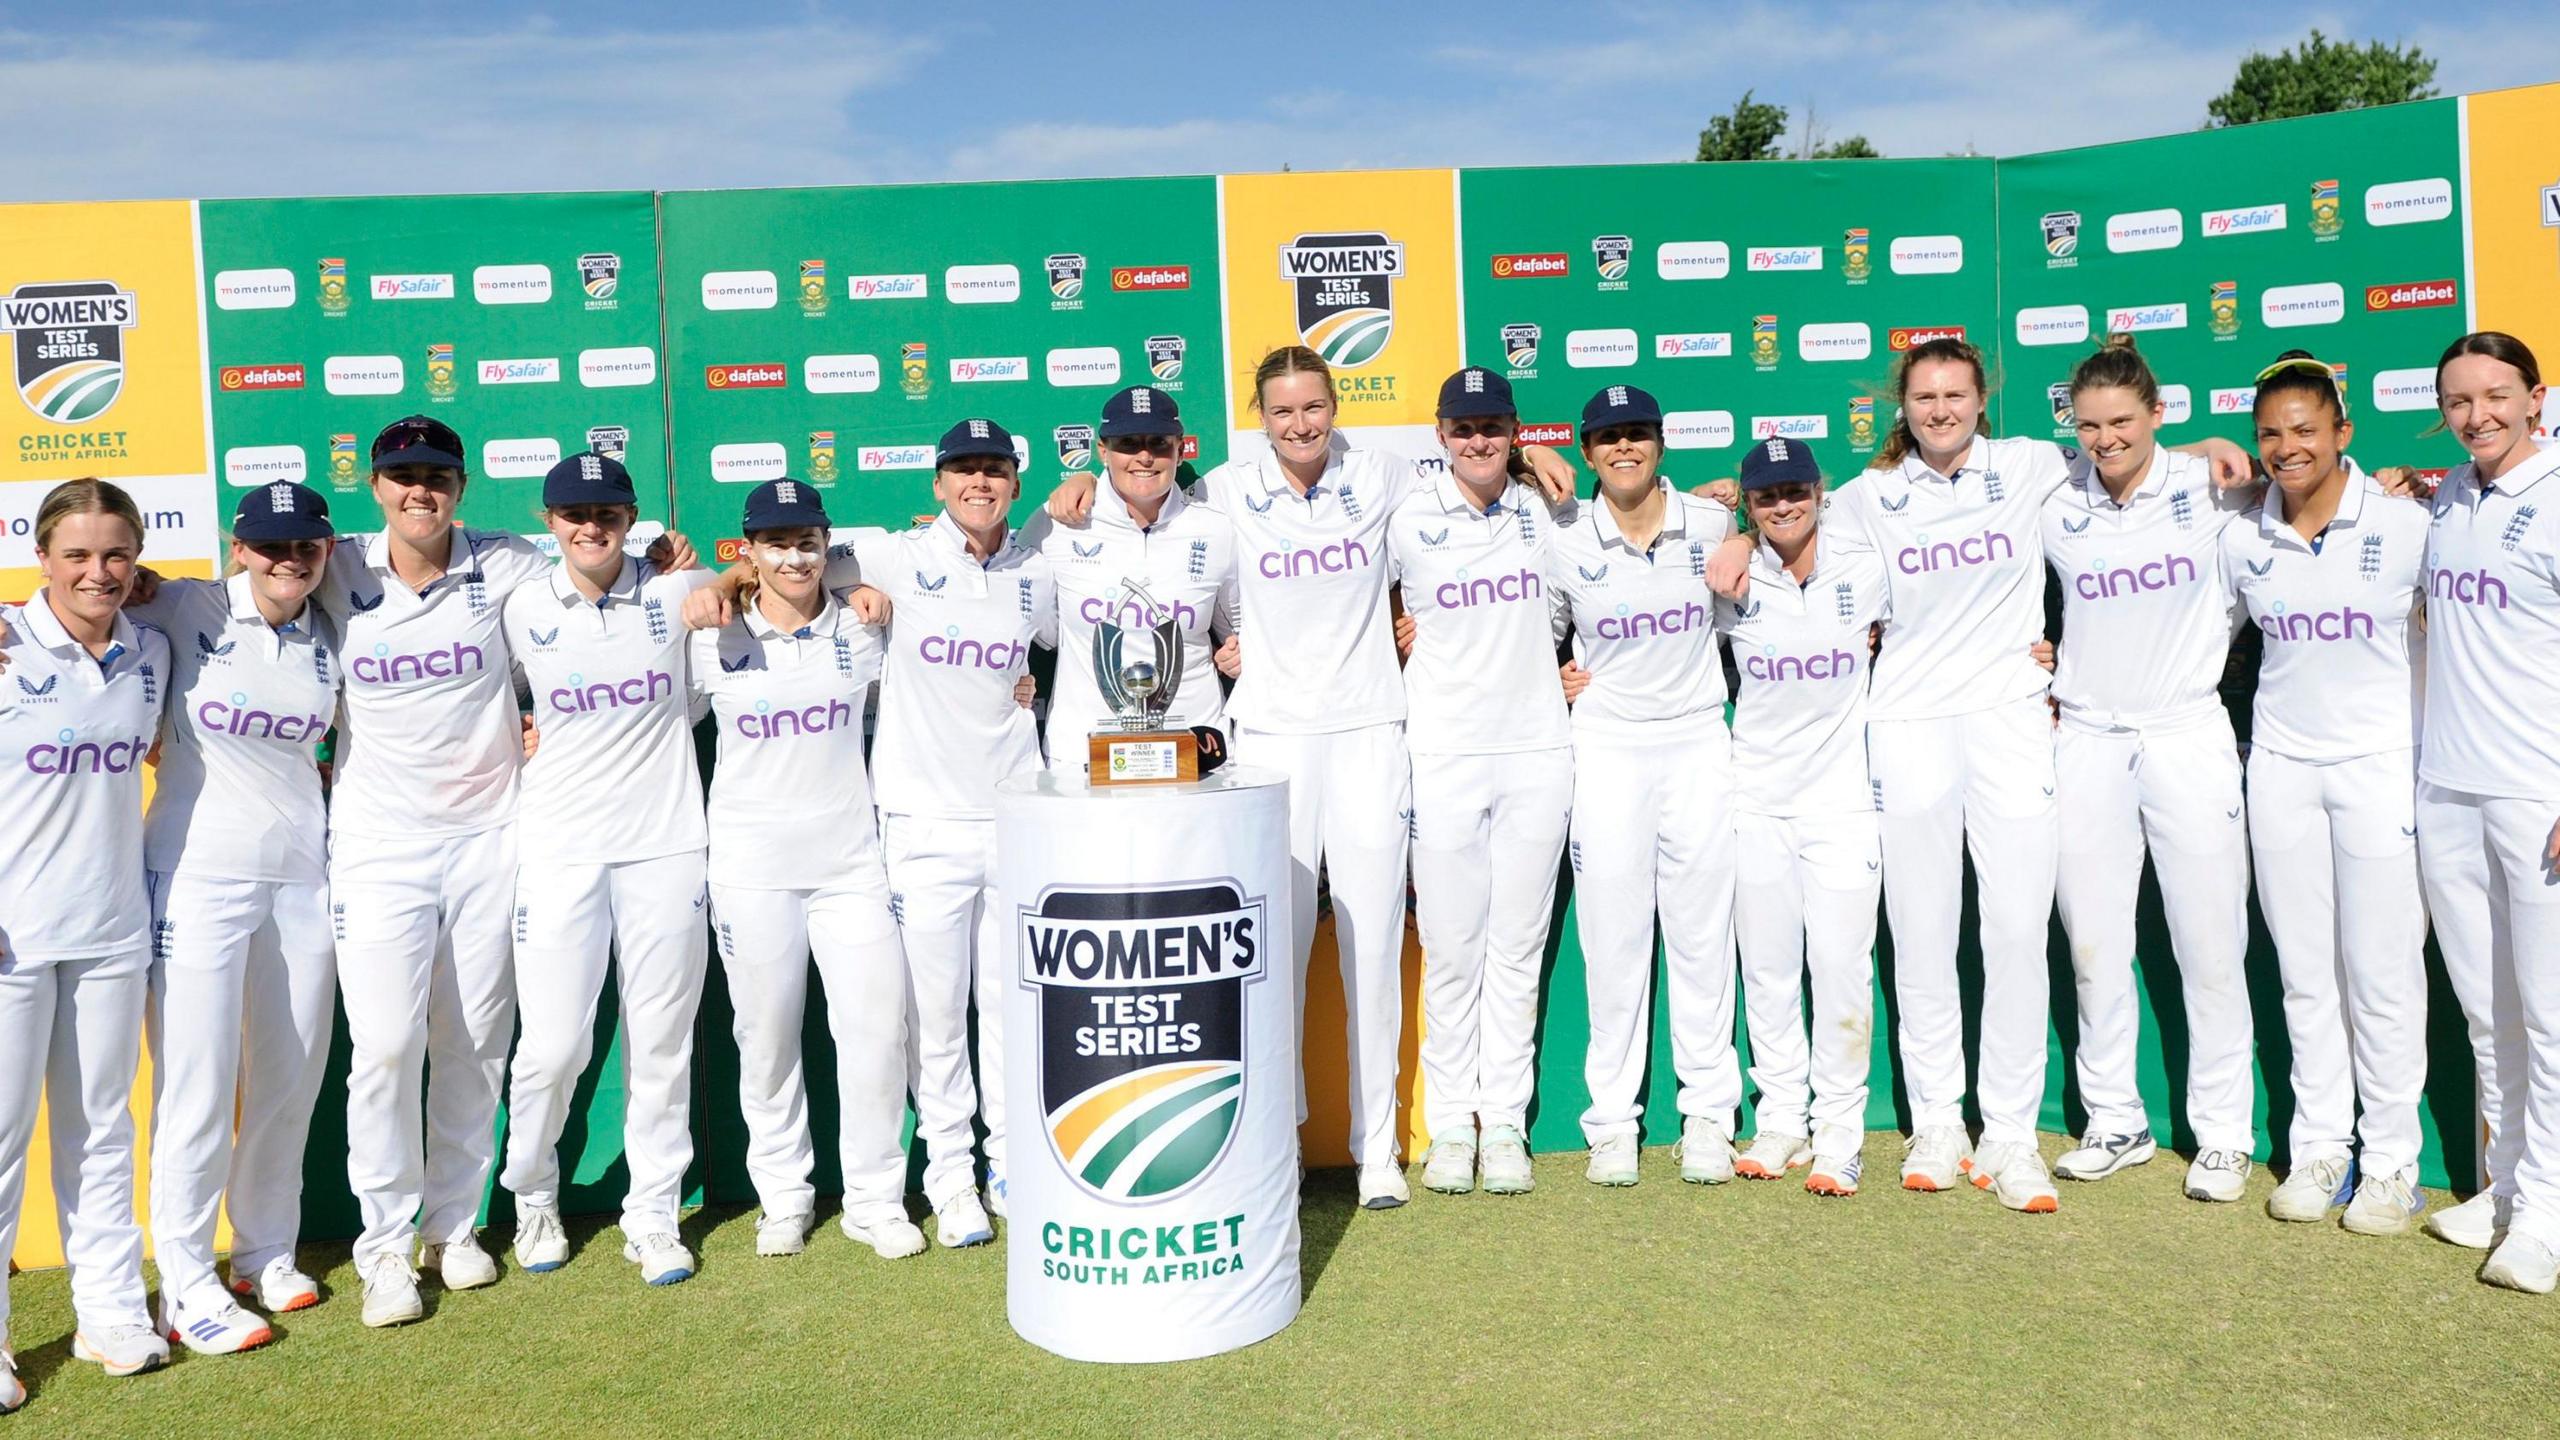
pixel 1361 268
pixel 2514 192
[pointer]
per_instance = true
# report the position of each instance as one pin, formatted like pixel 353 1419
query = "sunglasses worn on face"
pixel 1470 429
pixel 1143 444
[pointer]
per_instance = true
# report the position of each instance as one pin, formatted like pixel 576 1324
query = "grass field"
pixel 1571 1311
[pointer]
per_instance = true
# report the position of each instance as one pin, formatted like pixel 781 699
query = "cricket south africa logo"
pixel 69 345
pixel 1345 293
pixel 1141 1036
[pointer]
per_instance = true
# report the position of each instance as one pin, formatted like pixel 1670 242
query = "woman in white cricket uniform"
pixel 2332 573
pixel 83 696
pixel 1147 554
pixel 2145 759
pixel 2489 791
pixel 1808 849
pixel 796 873
pixel 1652 828
pixel 243 970
pixel 1492 780
pixel 619 883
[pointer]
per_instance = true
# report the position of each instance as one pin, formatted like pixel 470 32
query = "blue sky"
pixel 121 101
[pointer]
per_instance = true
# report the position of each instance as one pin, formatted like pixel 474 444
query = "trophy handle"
pixel 1168 648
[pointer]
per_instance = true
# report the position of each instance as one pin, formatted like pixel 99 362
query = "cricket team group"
pixel 1482 671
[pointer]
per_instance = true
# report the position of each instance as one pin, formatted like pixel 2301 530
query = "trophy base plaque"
pixel 1143 757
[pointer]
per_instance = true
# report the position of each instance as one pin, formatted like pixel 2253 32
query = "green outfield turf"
pixel 1665 1309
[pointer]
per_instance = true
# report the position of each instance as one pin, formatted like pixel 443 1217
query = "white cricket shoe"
pixel 216 1326
pixel 2478 1223
pixel 2523 1263
pixel 782 1234
pixel 390 1291
pixel 132 1349
pixel 1838 1157
pixel 278 1287
pixel 461 1264
pixel 961 1221
pixel 2317 1186
pixel 996 1199
pixel 12 1393
pixel 2218 1176
pixel 1935 1157
pixel 1612 1162
pixel 542 1242
pixel 1382 1186
pixel 2098 1156
pixel 1505 1157
pixel 1450 1166
pixel 2386 1204
pixel 887 1230
pixel 1705 1151
pixel 662 1258
pixel 2013 1171
pixel 1770 1156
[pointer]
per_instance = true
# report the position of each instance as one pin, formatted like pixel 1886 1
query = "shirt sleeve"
pixel 174 604
pixel 1844 514
pixel 507 561
pixel 853 555
pixel 1045 630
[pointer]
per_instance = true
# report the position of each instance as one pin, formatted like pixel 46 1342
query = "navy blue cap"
pixel 587 478
pixel 1620 405
pixel 282 511
pixel 417 440
pixel 1778 461
pixel 1141 410
pixel 783 505
pixel 1474 393
pixel 974 437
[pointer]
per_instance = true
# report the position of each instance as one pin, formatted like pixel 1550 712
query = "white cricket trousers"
pixel 1350 813
pixel 1488 831
pixel 426 972
pixel 1979 784
pixel 2178 790
pixel 767 940
pixel 1652 832
pixel 75 1026
pixel 243 994
pixel 644 918
pixel 2496 904
pixel 1805 901
pixel 2337 853
pixel 942 889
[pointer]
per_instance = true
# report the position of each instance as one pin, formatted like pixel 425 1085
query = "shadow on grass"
pixel 1326 1204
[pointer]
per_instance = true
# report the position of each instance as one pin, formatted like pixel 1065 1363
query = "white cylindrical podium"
pixel 1151 1062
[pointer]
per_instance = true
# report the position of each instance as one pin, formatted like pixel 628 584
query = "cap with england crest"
pixel 1140 410
pixel 974 437
pixel 1620 405
pixel 1778 461
pixel 588 479
pixel 1475 393
pixel 783 505
pixel 417 440
pixel 281 511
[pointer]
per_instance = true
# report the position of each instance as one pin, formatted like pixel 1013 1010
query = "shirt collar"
pixel 1915 469
pixel 1453 497
pixel 2155 479
pixel 830 618
pixel 244 605
pixel 1275 476
pixel 2525 476
pixel 624 590
pixel 1109 509
pixel 2273 525
pixel 946 533
pixel 1675 516
pixel 49 632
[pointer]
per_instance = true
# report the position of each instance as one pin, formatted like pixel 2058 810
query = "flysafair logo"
pixel 1520 348
pixel 70 346
pixel 2224 301
pixel 601 274
pixel 1142 1011
pixel 2324 209
pixel 2061 238
pixel 813 287
pixel 342 461
pixel 1075 446
pixel 1345 288
pixel 1066 281
pixel 1764 341
pixel 1609 253
pixel 1853 255
pixel 822 456
pixel 915 369
pixel 333 286
pixel 1164 358
pixel 440 372
pixel 1862 422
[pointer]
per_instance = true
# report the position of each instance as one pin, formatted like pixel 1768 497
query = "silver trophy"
pixel 1138 670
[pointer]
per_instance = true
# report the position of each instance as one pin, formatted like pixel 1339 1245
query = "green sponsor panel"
pixel 1750 299
pixel 529 323
pixel 833 335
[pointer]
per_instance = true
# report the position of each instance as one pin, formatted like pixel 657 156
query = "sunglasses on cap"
pixel 2306 365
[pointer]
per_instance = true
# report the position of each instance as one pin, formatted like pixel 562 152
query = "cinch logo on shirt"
pixel 1095 610
pixel 1641 623
pixel 1772 666
pixel 1489 590
pixel 2347 624
pixel 949 648
pixel 2476 587
pixel 1981 549
pixel 1331 559
pixel 578 697
pixel 385 668
pixel 2160 574
pixel 74 756
pixel 767 723
pixel 234 717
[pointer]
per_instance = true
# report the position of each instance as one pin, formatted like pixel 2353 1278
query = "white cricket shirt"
pixel 790 796
pixel 1644 620
pixel 73 732
pixel 2493 633
pixel 1801 659
pixel 1487 613
pixel 238 794
pixel 2146 612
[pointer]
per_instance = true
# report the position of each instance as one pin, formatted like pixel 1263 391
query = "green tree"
pixel 1853 148
pixel 1750 133
pixel 2319 76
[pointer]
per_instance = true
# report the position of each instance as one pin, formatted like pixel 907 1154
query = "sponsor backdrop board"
pixel 529 323
pixel 2513 203
pixel 106 374
pixel 2220 250
pixel 1752 300
pixel 833 335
